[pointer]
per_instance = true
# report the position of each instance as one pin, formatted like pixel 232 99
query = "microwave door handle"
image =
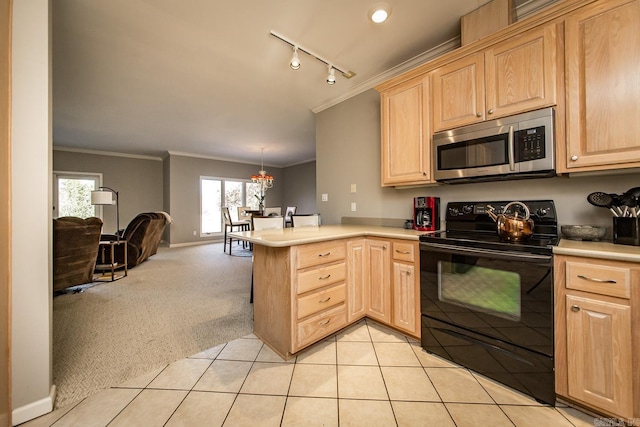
pixel 512 161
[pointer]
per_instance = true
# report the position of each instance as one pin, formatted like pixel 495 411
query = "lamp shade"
pixel 102 198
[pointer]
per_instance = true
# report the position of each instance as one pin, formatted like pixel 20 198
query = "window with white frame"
pixel 72 194
pixel 216 193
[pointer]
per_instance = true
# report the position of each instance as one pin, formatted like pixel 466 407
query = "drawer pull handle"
pixel 593 279
pixel 325 300
pixel 575 308
pixel 327 254
pixel 325 277
pixel 323 323
pixel 403 252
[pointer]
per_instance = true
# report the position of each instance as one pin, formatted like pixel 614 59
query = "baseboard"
pixel 34 409
pixel 204 242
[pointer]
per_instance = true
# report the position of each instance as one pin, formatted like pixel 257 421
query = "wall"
pixel 31 222
pixel 299 183
pixel 137 180
pixel 348 151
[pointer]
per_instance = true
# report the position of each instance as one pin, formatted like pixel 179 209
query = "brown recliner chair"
pixel 75 249
pixel 143 235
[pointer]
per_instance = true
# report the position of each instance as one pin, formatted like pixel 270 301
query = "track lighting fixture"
pixel 331 77
pixel 295 62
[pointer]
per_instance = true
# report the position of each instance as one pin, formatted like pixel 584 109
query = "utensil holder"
pixel 626 231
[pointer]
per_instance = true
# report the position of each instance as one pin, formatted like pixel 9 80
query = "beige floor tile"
pixel 431 360
pixel 412 414
pixel 457 385
pixel 365 413
pixel 241 349
pixel 314 381
pixel 100 408
pixel 310 412
pixel 381 333
pixel 47 420
pixel 254 410
pixel 356 353
pixel 251 336
pixel 150 408
pixel 181 375
pixel 535 416
pixel 503 394
pixel 323 352
pixel 407 383
pixel 395 354
pixel 202 409
pixel 268 378
pixel 224 376
pixel 361 382
pixel 268 355
pixel 576 417
pixel 143 380
pixel 211 353
pixel 356 332
pixel 473 415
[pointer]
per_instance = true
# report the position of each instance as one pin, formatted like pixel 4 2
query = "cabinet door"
pixel 520 74
pixel 406 298
pixel 406 134
pixel 356 276
pixel 379 279
pixel 599 364
pixel 458 93
pixel 602 74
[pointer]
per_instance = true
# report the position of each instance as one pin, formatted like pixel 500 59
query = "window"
pixel 72 194
pixel 218 192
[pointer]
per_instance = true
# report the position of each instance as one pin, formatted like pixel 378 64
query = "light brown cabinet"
pixel 602 57
pixel 406 288
pixel 596 305
pixel 378 280
pixel 516 75
pixel 357 295
pixel 406 133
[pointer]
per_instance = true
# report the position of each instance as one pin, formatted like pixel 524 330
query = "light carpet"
pixel 179 302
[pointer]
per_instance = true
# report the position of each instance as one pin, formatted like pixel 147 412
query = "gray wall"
pixel 138 182
pixel 299 183
pixel 348 152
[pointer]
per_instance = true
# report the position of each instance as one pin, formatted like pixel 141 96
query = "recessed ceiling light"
pixel 379 13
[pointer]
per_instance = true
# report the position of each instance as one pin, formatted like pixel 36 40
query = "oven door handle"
pixel 485 253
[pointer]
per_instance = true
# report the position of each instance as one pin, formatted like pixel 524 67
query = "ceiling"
pixel 206 78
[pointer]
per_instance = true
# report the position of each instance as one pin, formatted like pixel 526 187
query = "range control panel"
pixel 474 211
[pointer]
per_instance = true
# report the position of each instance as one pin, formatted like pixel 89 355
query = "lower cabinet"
pixel 595 345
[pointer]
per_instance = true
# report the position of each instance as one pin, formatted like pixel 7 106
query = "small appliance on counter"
pixel 426 213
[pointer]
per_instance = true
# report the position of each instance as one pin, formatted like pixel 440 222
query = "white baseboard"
pixel 34 409
pixel 203 242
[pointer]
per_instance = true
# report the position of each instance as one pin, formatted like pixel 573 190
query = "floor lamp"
pixel 102 197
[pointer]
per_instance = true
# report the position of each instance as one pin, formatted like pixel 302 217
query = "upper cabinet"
pixel 602 58
pixel 406 133
pixel 517 75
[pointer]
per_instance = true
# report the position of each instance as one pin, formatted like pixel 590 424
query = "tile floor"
pixel 365 375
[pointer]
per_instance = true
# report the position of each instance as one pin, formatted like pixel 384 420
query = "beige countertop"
pixel 602 250
pixel 301 235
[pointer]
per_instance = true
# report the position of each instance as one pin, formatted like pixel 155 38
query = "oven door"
pixel 490 311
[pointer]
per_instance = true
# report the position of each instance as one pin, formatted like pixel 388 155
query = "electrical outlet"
pixel 353 188
pixel 353 206
pixel 325 197
pixel 194 233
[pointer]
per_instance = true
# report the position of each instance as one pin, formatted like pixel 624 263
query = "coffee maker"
pixel 426 213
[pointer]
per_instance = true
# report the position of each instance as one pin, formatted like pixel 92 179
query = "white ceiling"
pixel 205 77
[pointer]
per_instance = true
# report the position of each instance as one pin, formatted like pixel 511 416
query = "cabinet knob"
pixel 490 111
pixel 424 174
pixel 478 114
pixel 575 308
pixel 574 157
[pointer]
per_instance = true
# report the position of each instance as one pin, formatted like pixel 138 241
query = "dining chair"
pixel 291 210
pixel 264 223
pixel 229 225
pixel 308 220
pixel 242 212
pixel 273 211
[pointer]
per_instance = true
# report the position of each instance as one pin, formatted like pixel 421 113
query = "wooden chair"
pixel 291 210
pixel 242 215
pixel 273 211
pixel 229 225
pixel 310 220
pixel 264 223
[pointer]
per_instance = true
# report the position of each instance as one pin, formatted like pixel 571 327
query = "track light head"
pixel 331 77
pixel 295 62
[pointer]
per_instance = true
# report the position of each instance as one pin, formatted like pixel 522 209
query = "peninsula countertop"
pixel 301 235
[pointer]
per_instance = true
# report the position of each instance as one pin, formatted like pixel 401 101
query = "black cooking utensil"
pixel 602 200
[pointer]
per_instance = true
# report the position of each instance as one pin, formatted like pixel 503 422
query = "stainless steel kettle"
pixel 512 227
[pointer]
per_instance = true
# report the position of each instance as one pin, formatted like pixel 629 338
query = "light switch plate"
pixel 325 197
pixel 353 206
pixel 353 188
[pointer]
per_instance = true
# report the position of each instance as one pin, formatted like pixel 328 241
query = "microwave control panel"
pixel 530 144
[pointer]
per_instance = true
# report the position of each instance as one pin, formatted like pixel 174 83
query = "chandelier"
pixel 264 180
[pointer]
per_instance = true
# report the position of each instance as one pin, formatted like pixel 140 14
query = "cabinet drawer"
pixel 319 253
pixel 599 278
pixel 321 325
pixel 404 251
pixel 319 277
pixel 322 300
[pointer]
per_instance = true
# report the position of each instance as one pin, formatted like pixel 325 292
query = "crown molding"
pixel 104 153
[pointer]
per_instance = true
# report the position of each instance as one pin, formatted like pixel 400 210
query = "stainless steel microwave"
pixel 519 146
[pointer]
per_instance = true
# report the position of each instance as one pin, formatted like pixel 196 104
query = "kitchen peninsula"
pixel 310 282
